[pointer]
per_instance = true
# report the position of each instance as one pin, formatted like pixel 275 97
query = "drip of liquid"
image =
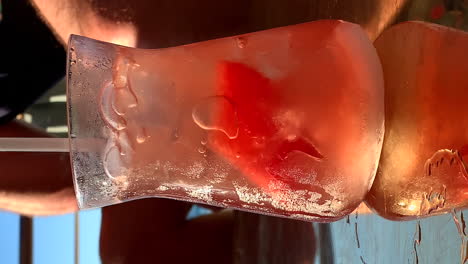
pixel 362 260
pixel 445 162
pixel 204 112
pixel 356 233
pixel 433 201
pixel 418 235
pixel 417 241
pixel 460 223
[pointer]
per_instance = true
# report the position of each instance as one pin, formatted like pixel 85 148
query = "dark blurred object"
pixel 450 13
pixel 1 13
pixel 31 59
pixel 272 240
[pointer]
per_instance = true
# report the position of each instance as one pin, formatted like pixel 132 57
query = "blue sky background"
pixel 53 238
pixel 9 238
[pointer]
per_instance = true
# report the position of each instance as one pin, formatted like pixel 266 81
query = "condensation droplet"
pixel 108 113
pixel 142 136
pixel 122 144
pixel 119 72
pixel 120 81
pixel 140 139
pixel 203 141
pixel 241 42
pixel 125 97
pixel 175 134
pixel 205 112
pixel 123 100
pixel 112 161
pixel 238 155
pixel 202 150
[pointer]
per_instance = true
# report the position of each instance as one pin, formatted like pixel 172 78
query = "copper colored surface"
pixel 423 169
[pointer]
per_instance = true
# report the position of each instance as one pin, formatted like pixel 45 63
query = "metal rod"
pixel 26 240
pixel 77 237
pixel 34 145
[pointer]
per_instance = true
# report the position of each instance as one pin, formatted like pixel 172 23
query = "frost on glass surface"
pixel 257 122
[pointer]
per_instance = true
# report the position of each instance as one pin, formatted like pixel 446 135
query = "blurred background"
pixel 74 238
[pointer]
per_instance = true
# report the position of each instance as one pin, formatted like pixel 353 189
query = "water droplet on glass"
pixel 123 143
pixel 120 72
pixel 241 42
pixel 175 134
pixel 120 81
pixel 123 100
pixel 142 136
pixel 140 139
pixel 204 114
pixel 108 113
pixel 202 150
pixel 72 62
pixel 203 141
pixel 112 161
pixel 238 155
